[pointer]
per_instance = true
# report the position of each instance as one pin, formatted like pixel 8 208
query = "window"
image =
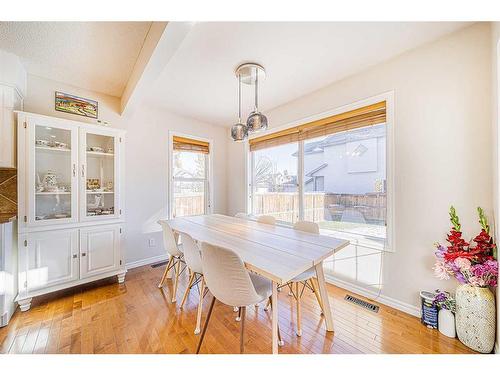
pixel 190 193
pixel 341 162
pixel 351 196
pixel 275 182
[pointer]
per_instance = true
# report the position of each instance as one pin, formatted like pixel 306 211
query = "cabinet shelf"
pixel 100 192
pixel 97 154
pixel 52 149
pixel 53 193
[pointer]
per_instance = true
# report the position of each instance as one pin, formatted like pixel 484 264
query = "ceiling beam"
pixel 160 45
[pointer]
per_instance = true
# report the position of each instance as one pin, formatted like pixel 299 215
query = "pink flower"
pixel 462 263
pixel 476 281
pixel 441 271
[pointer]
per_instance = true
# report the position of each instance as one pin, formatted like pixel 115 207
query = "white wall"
pixel 442 147
pixel 146 193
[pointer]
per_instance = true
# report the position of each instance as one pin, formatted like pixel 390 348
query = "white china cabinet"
pixel 70 178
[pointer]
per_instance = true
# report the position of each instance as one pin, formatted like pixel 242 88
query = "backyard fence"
pixel 189 204
pixel 369 207
pixel 318 207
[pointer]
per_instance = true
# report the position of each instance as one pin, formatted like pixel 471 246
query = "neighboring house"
pixel 349 163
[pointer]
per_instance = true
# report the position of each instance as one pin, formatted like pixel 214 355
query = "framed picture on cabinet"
pixel 75 105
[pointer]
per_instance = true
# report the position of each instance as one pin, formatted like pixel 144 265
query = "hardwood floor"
pixel 137 317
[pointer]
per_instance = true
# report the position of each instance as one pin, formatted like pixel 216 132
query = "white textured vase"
pixel 446 323
pixel 475 317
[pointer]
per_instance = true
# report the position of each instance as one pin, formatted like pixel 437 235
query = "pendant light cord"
pixel 256 90
pixel 239 98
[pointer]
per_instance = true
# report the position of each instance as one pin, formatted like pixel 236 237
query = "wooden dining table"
pixel 276 252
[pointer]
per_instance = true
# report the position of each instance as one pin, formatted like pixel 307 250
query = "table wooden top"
pixel 277 252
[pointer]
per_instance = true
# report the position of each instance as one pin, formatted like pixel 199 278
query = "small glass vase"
pixel 475 317
pixel 446 323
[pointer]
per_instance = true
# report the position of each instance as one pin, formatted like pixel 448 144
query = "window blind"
pixel 369 115
pixel 192 145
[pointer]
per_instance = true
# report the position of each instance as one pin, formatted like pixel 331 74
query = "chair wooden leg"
pixel 164 277
pixel 316 293
pixel 176 281
pixel 299 312
pixel 238 318
pixel 205 326
pixel 242 329
pixel 268 305
pixel 280 340
pixel 200 307
pixel 189 285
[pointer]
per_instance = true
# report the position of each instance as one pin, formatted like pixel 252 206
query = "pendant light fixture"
pixel 239 131
pixel 257 121
pixel 250 74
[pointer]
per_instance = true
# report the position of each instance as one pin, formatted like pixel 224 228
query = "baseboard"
pixel 385 300
pixel 4 319
pixel 146 261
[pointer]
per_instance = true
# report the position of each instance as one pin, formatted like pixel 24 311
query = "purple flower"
pixel 461 278
pixel 440 251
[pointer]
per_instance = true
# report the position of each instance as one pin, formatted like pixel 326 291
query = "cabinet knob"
pixel 75 256
pixel 83 254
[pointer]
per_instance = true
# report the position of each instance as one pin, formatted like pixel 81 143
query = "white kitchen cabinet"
pixel 100 157
pixel 51 182
pixel 49 258
pixel 99 250
pixel 70 204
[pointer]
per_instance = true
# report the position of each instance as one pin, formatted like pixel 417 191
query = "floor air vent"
pixel 360 302
pixel 159 264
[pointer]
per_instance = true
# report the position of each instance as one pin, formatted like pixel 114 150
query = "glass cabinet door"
pixel 52 181
pixel 99 173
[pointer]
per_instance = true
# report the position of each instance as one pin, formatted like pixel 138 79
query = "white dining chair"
pixel 192 257
pixel 306 279
pixel 266 219
pixel 175 261
pixel 230 283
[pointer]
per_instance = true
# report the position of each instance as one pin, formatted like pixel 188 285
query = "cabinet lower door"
pixel 51 258
pixel 99 250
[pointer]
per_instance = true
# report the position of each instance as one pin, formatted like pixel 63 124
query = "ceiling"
pixel 97 56
pixel 198 80
pixel 299 58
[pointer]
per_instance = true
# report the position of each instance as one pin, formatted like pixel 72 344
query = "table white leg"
pixel 324 297
pixel 274 312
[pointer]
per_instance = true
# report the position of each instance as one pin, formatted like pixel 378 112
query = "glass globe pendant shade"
pixel 256 122
pixel 239 132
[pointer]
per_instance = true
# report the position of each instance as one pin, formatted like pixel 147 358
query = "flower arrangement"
pixel 469 264
pixel 444 300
